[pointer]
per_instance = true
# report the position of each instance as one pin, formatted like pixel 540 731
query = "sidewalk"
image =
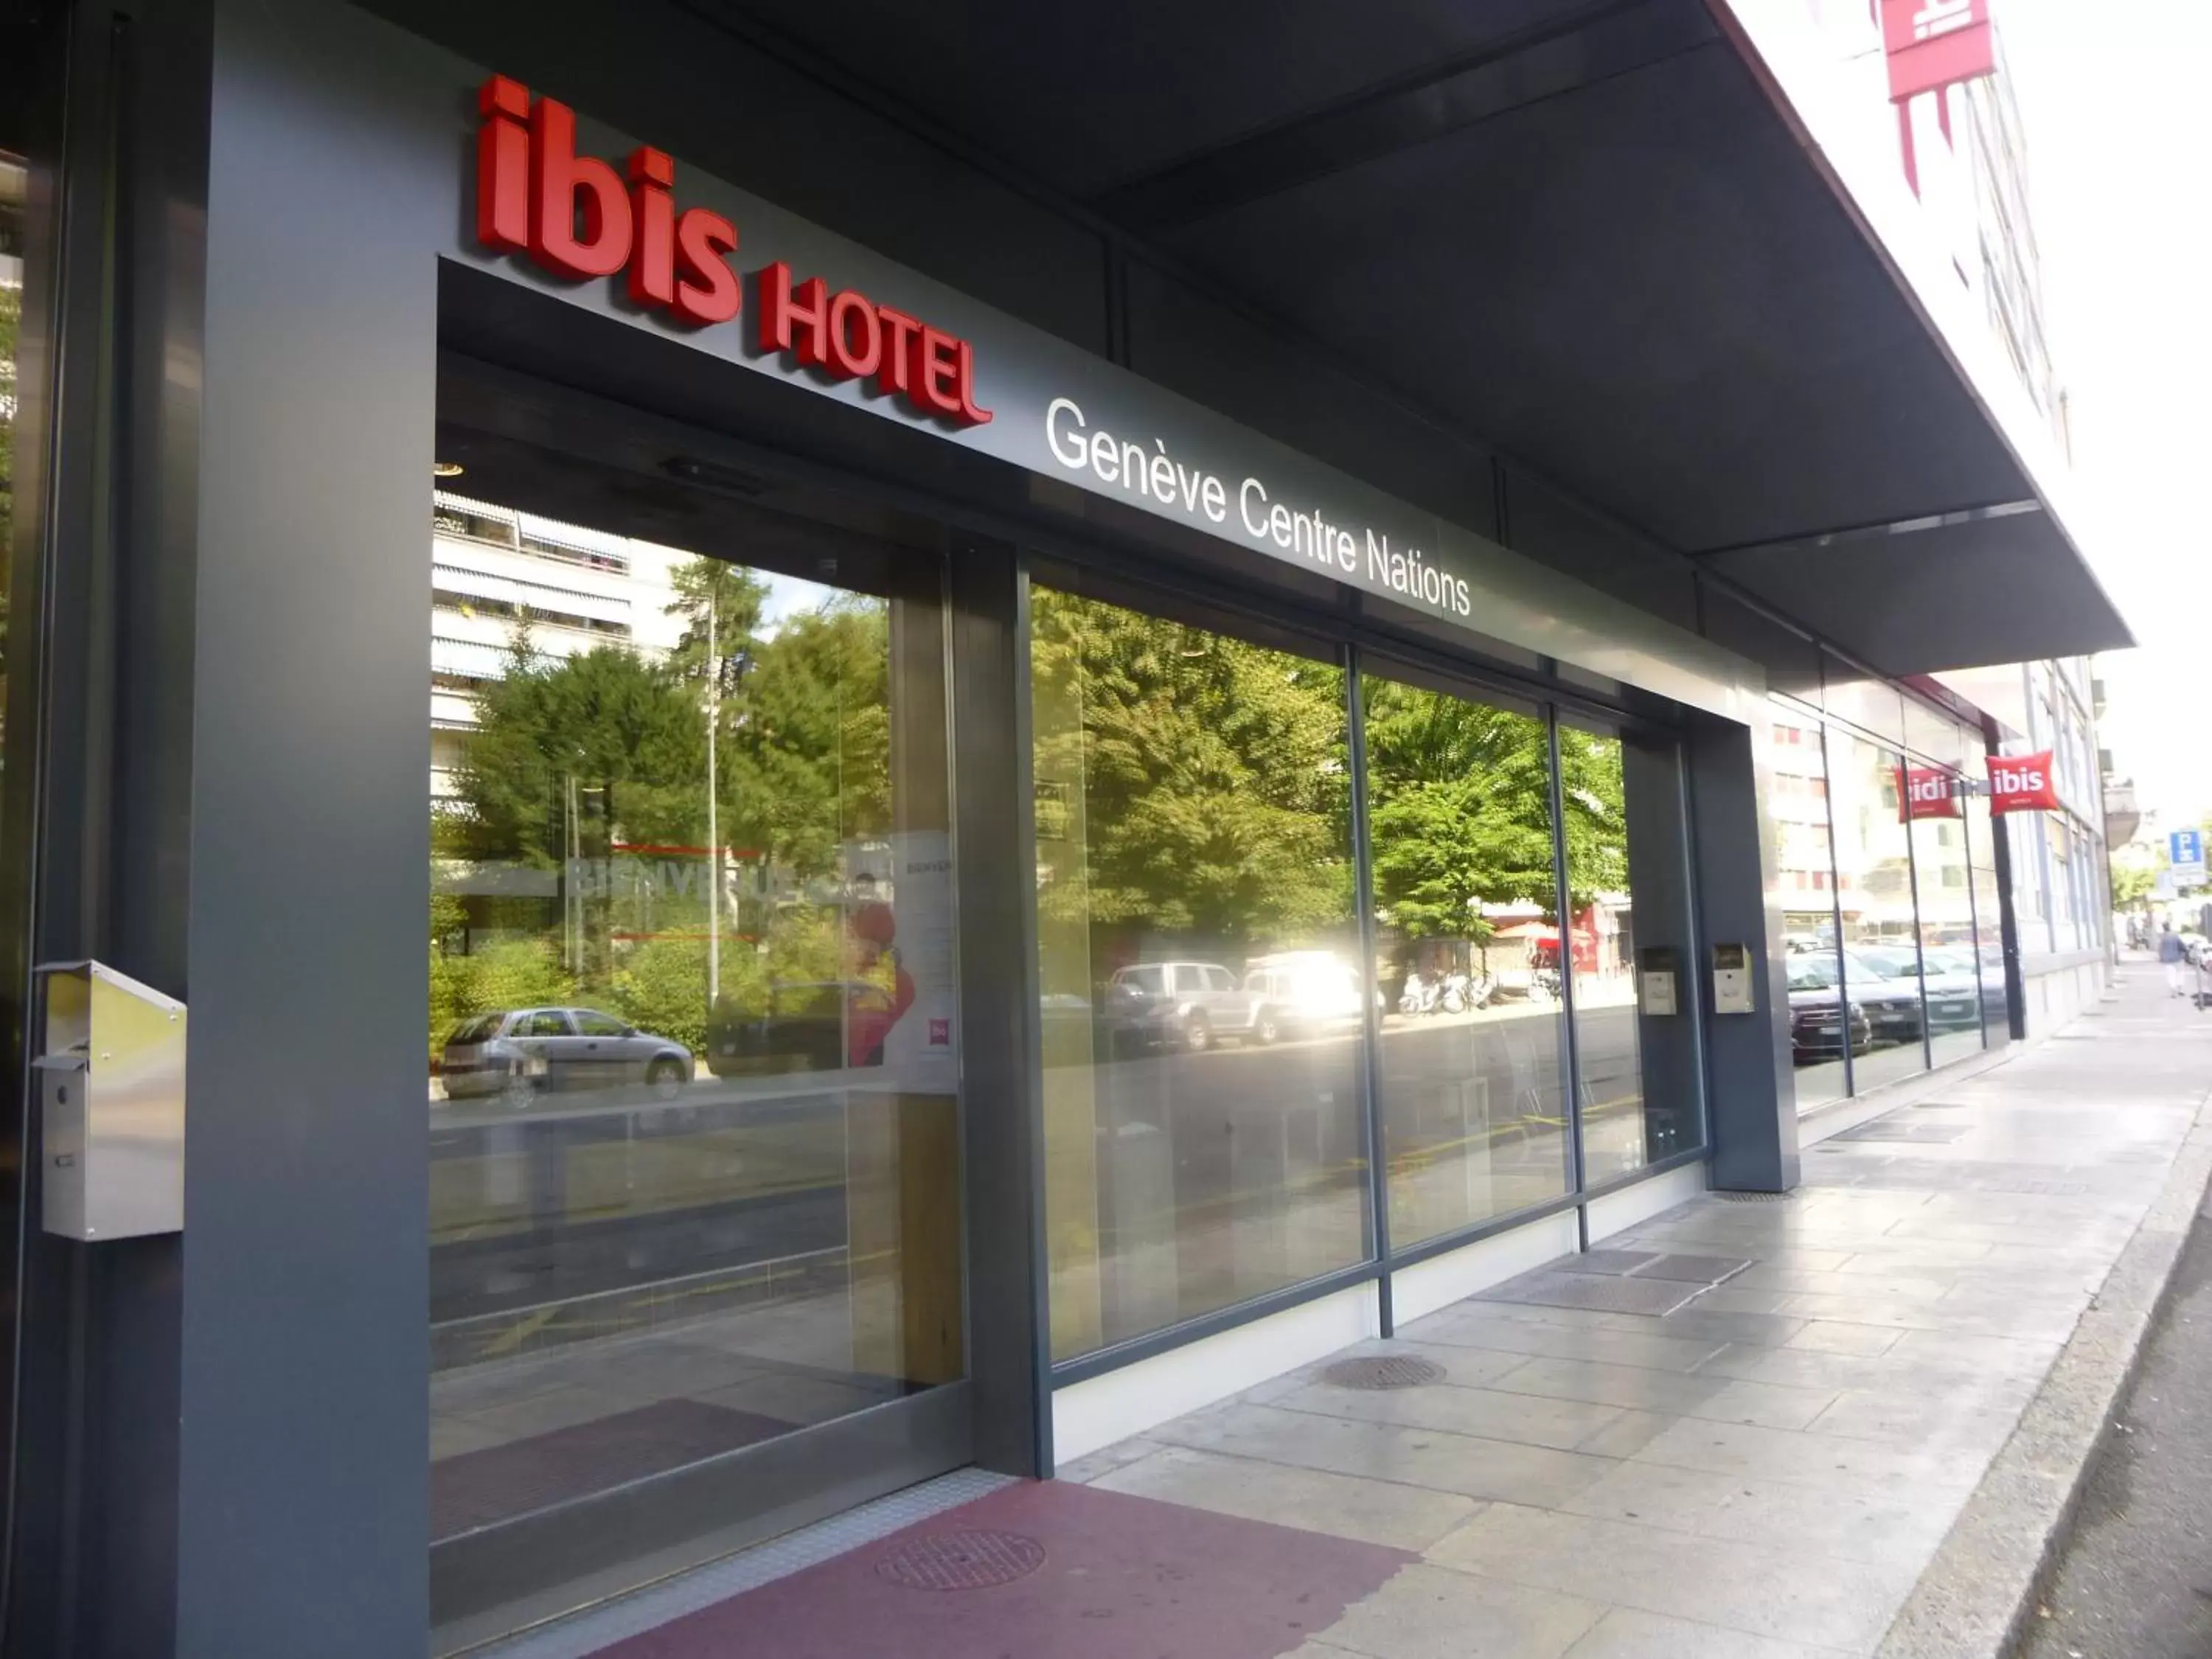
pixel 1760 1463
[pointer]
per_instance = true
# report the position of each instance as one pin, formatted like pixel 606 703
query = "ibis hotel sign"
pixel 557 200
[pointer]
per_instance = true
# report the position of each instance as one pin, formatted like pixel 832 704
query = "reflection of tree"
pixel 1593 800
pixel 1463 817
pixel 1213 775
pixel 594 768
pixel 1461 812
pixel 804 751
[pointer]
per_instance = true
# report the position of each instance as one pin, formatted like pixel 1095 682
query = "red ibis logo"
pixel 2022 783
pixel 578 219
pixel 1926 792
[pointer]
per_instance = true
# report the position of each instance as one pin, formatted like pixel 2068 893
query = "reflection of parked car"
pixel 520 1051
pixel 1958 984
pixel 1817 1014
pixel 1302 993
pixel 802 1028
pixel 1892 1004
pixel 1181 1005
pixel 1954 999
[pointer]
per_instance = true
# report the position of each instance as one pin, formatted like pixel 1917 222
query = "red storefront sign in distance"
pixel 2023 783
pixel 1926 792
pixel 1932 44
pixel 578 219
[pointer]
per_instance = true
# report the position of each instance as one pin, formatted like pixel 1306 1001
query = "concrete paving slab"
pixel 1629 1633
pixel 1433 1613
pixel 1718 1398
pixel 1753 1588
pixel 1312 1500
pixel 1894 1530
pixel 1450 1328
pixel 1523 1419
pixel 1389 1451
pixel 1829 1462
pixel 1841 1336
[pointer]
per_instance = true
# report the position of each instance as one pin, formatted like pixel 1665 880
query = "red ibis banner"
pixel 2023 783
pixel 1926 792
pixel 1935 43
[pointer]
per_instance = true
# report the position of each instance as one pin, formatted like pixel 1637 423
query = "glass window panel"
pixel 1949 971
pixel 1202 1146
pixel 1932 734
pixel 1805 893
pixel 702 1187
pixel 1873 877
pixel 1459 823
pixel 1871 705
pixel 15 189
pixel 1989 918
pixel 1627 888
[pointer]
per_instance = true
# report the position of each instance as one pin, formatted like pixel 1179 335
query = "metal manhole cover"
pixel 1394 1371
pixel 1752 1198
pixel 961 1560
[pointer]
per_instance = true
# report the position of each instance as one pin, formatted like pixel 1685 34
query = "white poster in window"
pixel 903 1011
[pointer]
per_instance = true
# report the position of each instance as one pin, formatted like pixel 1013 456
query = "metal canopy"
pixel 1581 232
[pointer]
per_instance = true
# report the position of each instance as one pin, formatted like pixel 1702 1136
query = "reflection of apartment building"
pixel 1800 807
pixel 1963 152
pixel 496 573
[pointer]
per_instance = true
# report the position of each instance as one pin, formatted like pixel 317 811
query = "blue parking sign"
pixel 2186 847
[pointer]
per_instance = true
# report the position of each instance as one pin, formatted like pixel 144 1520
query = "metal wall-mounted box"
pixel 111 1073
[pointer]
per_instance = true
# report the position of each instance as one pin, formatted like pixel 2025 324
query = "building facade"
pixel 1112 700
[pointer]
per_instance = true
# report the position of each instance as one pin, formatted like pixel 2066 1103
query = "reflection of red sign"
pixel 1926 792
pixel 2022 783
pixel 1935 43
pixel 577 218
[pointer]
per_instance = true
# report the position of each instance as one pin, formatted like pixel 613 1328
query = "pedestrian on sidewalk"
pixel 2172 957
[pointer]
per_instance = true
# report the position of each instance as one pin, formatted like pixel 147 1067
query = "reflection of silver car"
pixel 1181 1005
pixel 517 1052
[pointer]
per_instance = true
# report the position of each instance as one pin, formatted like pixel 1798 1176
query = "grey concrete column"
pixel 1751 1082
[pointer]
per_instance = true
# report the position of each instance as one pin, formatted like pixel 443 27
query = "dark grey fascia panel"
pixel 1965 591
pixel 1052 402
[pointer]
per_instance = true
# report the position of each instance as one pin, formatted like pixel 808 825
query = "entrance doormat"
pixel 1045 1568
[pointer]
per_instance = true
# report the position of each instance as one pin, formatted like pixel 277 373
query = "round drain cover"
pixel 962 1561
pixel 1394 1370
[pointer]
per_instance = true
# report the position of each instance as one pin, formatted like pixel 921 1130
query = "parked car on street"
pixel 518 1053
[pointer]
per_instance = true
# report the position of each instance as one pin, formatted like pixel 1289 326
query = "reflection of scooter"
pixel 1419 997
pixel 1544 985
pixel 1454 993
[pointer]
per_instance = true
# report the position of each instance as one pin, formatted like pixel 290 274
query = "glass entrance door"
pixel 692 1040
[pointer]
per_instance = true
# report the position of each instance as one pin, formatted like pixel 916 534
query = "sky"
pixel 2119 140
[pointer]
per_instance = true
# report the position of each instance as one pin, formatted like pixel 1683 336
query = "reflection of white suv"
pixel 1183 1004
pixel 1303 993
